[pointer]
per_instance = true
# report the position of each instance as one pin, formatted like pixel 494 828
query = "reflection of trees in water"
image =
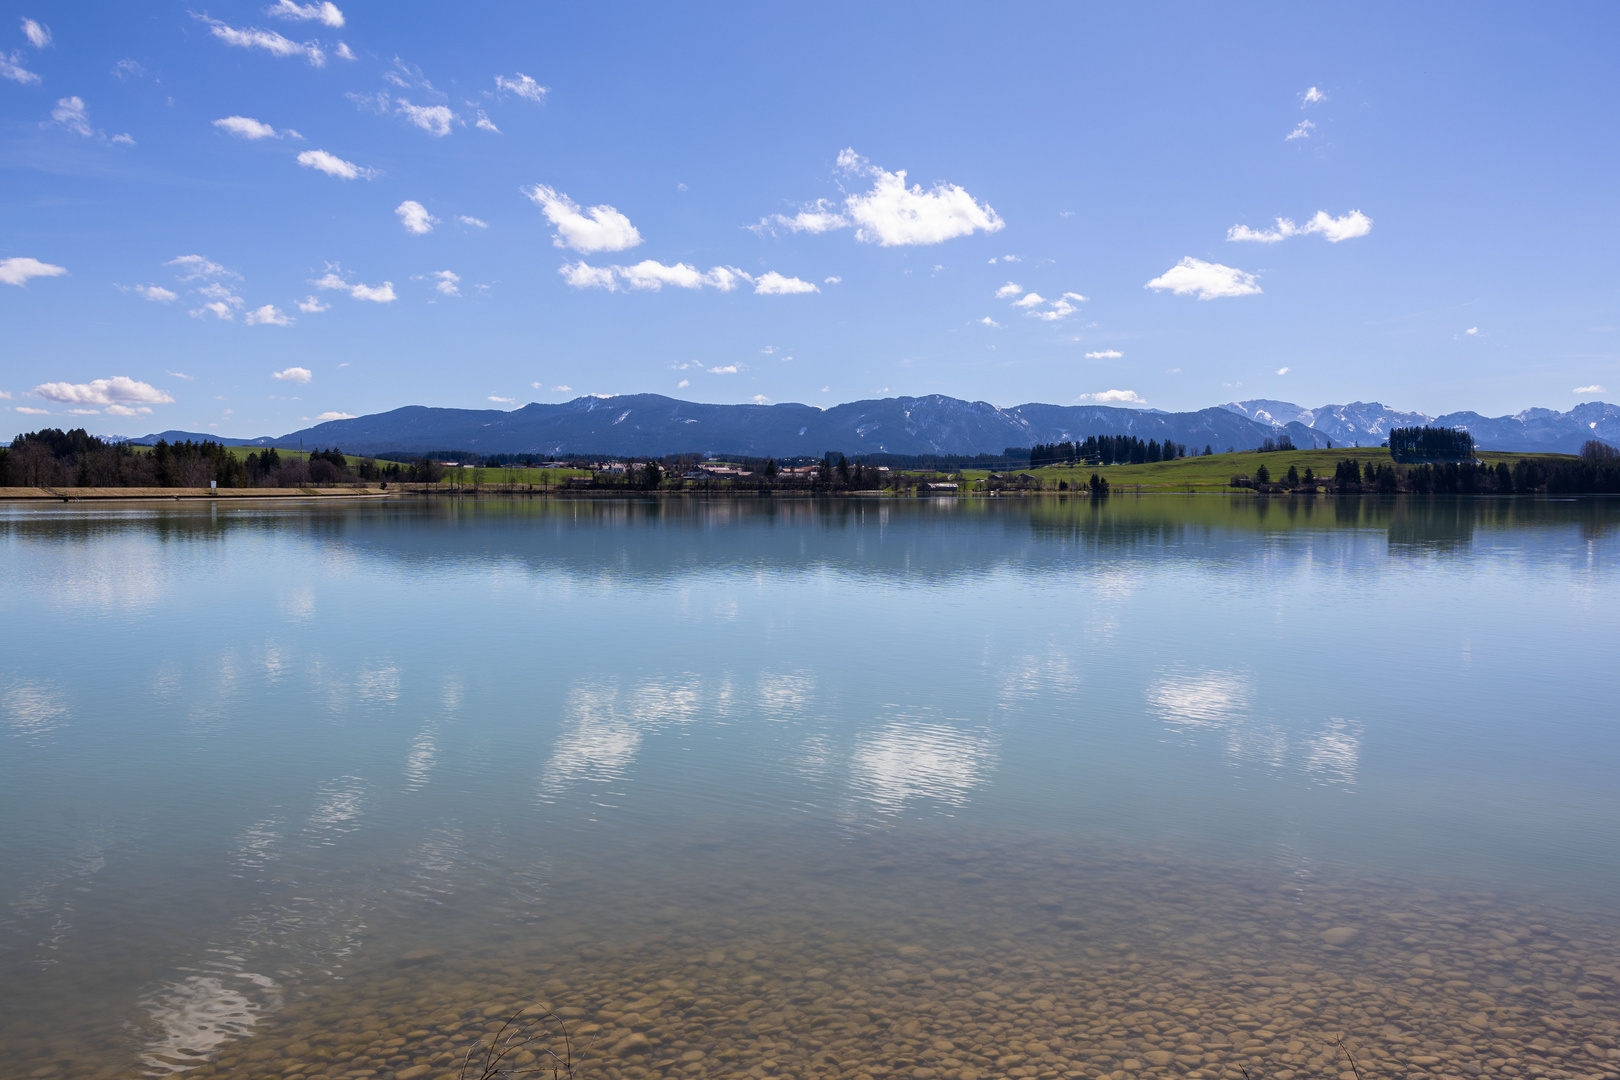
pixel 910 540
pixel 1431 526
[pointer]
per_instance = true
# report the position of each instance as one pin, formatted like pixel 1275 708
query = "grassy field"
pixel 1213 473
pixel 1216 471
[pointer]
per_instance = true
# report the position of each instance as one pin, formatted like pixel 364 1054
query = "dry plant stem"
pixel 1354 1067
pixel 1352 1058
pixel 512 1037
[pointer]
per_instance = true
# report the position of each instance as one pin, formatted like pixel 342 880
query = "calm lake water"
pixel 922 789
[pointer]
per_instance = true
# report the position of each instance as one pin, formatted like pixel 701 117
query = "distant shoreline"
pixel 100 494
pixel 39 496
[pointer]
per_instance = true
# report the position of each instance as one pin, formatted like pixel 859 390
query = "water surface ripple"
pixel 916 789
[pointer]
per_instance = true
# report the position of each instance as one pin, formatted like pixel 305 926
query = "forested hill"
pixel 652 424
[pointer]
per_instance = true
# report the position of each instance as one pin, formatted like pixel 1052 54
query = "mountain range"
pixel 651 424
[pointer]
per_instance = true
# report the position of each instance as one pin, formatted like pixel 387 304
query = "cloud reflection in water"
pixel 909 760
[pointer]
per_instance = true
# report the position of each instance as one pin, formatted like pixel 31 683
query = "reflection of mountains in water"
pixel 918 540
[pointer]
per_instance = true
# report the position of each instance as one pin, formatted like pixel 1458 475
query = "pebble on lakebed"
pixel 1175 971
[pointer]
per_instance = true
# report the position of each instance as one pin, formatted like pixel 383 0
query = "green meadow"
pixel 1216 471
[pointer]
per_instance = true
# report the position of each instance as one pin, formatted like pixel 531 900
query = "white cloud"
pixel 892 214
pixel 1030 300
pixel 1061 309
pixel 1104 354
pixel 38 36
pixel 650 275
pixel 18 269
pixel 562 389
pixel 988 321
pixel 1471 331
pixel 503 400
pixel 654 275
pixel 332 165
pixel 327 12
pixel 1313 95
pixel 245 127
pixel 197 266
pixel 600 228
pixel 181 375
pixel 833 280
pixel 298 375
pixel 433 119
pixel 310 305
pixel 31 411
pixel 215 291
pixel 1334 229
pixel 71 114
pixel 1593 389
pixel 728 369
pixel 377 294
pixel 485 123
pixel 774 284
pixel 1106 397
pixel 683 384
pixel 1283 231
pixel 219 308
pixel 1076 297
pixel 325 416
pixel 761 399
pixel 520 85
pixel 378 102
pixel 155 293
pixel 11 69
pixel 268 315
pixel 1302 130
pixel 447 282
pixel 581 275
pixel 1209 281
pixel 1284 370
pixel 474 222
pixel 127 410
pixel 1012 288
pixel 268 40
pixel 414 216
pixel 821 216
pixel 127 69
pixel 344 52
pixel 118 390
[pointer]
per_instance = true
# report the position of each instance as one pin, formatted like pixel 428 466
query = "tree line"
pixel 1430 444
pixel 1595 472
pixel 55 458
pixel 1107 450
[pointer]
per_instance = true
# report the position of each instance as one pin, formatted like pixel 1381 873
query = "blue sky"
pixel 241 217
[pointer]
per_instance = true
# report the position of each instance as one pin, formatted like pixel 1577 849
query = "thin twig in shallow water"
pixel 512 1037
pixel 1353 1066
